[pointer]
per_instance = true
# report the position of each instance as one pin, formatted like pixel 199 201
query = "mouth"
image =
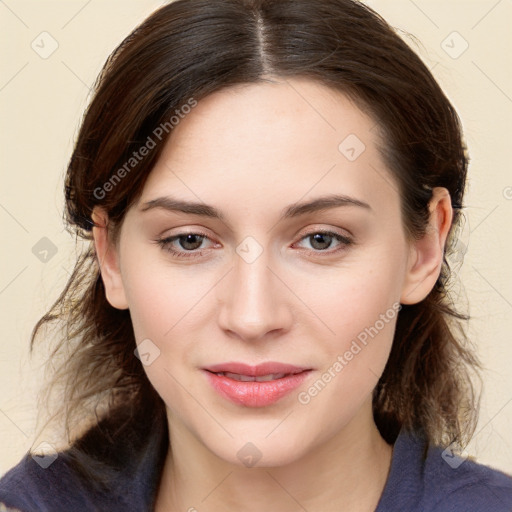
pixel 251 378
pixel 255 386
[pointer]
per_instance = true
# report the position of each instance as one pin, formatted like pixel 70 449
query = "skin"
pixel 298 302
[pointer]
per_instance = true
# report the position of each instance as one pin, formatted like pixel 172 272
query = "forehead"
pixel 282 141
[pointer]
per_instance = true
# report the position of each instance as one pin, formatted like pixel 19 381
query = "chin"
pixel 252 456
pixel 259 451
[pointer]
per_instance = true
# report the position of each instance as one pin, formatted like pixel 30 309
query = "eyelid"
pixel 180 234
pixel 312 230
pixel 344 241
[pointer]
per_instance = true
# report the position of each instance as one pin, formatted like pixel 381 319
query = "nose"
pixel 254 301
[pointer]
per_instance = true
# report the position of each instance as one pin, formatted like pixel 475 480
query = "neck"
pixel 348 473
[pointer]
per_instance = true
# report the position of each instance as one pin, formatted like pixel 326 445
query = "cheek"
pixel 161 311
pixel 353 297
pixel 168 302
pixel 161 298
pixel 344 321
pixel 360 308
pixel 168 306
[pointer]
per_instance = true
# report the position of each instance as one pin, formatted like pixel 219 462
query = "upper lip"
pixel 258 370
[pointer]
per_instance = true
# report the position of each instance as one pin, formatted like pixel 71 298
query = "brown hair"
pixel 186 50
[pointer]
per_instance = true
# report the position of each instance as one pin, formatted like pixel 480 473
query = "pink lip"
pixel 252 393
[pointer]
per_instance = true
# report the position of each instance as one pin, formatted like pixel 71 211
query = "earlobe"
pixel 108 260
pixel 427 253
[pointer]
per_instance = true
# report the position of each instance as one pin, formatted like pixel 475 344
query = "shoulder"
pixel 31 486
pixel 434 479
pixel 457 483
pixel 101 471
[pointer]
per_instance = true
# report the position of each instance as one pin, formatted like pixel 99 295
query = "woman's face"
pixel 257 285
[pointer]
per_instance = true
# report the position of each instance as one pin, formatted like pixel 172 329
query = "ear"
pixel 426 257
pixel 108 259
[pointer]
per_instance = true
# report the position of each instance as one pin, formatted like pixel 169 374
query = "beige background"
pixel 41 101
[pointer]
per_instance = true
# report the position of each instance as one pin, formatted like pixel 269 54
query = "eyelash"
pixel 164 243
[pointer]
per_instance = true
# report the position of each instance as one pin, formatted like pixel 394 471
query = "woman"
pixel 261 321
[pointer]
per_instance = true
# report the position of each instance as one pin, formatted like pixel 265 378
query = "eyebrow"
pixel 294 210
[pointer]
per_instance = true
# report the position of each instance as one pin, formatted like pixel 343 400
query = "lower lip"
pixel 255 394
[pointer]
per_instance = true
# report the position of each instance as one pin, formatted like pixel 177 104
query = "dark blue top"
pixel 438 482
